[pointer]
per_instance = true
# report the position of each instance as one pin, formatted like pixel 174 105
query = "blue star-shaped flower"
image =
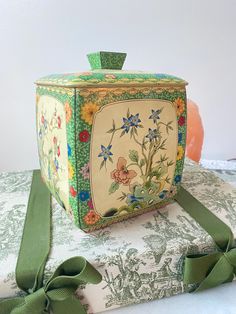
pixel 152 134
pixel 105 153
pixel 127 124
pixel 155 115
pixel 135 120
pixel 133 199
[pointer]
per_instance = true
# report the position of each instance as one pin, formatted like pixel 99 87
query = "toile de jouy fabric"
pixel 140 259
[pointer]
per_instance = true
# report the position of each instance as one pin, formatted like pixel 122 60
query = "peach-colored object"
pixel 122 174
pixel 195 132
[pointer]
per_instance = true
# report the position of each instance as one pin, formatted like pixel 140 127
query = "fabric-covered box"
pixel 111 142
pixel 140 259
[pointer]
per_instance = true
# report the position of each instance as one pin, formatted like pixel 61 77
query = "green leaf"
pixel 142 162
pixel 170 163
pixel 110 131
pixel 122 133
pixel 133 155
pixel 131 133
pixel 122 197
pixel 102 164
pixel 114 187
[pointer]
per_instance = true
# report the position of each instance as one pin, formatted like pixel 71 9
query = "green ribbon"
pixel 208 270
pixel 58 293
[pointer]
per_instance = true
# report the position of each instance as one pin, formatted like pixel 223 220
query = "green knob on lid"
pixel 106 60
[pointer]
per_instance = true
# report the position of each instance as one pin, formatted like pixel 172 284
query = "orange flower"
pixel 88 111
pixel 179 103
pixel 68 111
pixel 91 218
pixel 122 174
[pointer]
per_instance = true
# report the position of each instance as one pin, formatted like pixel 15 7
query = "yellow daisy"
pixel 88 111
pixel 70 170
pixel 180 152
pixel 68 111
pixel 179 103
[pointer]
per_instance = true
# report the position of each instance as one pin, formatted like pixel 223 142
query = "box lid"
pixel 106 69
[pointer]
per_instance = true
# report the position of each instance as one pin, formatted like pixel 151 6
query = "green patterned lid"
pixel 106 69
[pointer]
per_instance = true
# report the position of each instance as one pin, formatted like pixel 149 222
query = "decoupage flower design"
pixel 73 192
pixel 68 150
pixel 105 152
pixel 84 136
pixel 130 123
pixel 181 121
pixel 153 134
pixel 180 152
pixel 90 204
pixel 70 170
pixel 122 174
pixel 85 171
pixel 88 111
pixel 91 217
pixel 83 195
pixel 141 164
pixel 180 137
pixel 68 111
pixel 177 178
pixel 155 115
pixel 179 104
pixel 110 76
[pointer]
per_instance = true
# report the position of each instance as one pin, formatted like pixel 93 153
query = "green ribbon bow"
pixel 208 270
pixel 58 294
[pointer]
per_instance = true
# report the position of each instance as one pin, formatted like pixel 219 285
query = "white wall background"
pixel 195 40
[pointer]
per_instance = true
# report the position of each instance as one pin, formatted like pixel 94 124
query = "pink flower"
pixel 90 204
pixel 122 174
pixel 85 171
pixel 59 122
pixel 110 76
pixel 58 151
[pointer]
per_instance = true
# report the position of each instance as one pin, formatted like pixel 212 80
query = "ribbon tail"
pixel 197 267
pixel 222 272
pixel 7 306
pixel 71 304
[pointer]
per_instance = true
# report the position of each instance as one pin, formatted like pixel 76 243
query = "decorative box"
pixel 111 142
pixel 141 259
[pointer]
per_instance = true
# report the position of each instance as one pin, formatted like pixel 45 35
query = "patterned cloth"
pixel 140 259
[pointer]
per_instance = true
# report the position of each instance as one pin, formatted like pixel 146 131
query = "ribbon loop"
pixel 59 293
pixel 208 270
